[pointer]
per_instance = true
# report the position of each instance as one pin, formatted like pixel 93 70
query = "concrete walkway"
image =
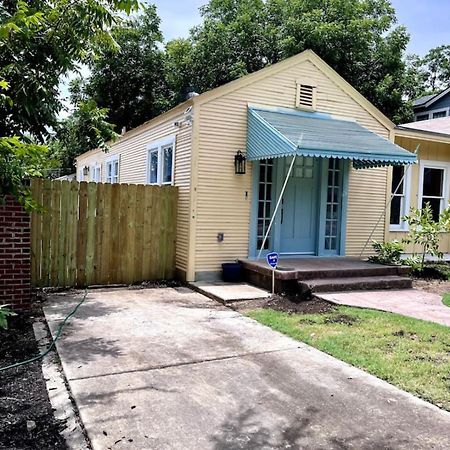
pixel 172 369
pixel 407 302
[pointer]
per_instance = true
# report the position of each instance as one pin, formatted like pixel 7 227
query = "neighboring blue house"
pixel 432 106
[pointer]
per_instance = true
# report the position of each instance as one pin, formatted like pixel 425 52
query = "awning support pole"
pixel 276 207
pixel 388 204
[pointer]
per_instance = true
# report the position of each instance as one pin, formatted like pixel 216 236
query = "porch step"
pixel 367 271
pixel 354 283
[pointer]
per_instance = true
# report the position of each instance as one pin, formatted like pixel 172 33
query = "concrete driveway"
pixel 172 369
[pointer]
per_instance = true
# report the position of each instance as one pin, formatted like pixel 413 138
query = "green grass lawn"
pixel 409 353
pixel 446 299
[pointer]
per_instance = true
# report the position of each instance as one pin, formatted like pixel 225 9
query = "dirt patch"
pixel 406 334
pixel 288 304
pixel 23 393
pixel 342 319
pixel 433 286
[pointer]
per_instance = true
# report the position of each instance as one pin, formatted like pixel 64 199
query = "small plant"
pixel 415 262
pixel 5 312
pixel 425 231
pixel 388 253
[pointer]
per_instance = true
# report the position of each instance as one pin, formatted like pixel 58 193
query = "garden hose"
pixel 58 334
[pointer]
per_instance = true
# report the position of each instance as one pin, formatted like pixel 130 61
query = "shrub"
pixel 5 312
pixel 388 253
pixel 425 231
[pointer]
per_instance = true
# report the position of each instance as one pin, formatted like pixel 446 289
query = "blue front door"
pixel 300 203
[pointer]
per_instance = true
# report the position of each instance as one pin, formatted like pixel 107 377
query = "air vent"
pixel 306 96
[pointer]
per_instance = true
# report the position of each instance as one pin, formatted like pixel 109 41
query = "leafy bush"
pixel 388 253
pixel 415 262
pixel 425 231
pixel 5 312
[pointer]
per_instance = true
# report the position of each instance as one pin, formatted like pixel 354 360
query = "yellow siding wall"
pixel 132 148
pixel 428 151
pixel 224 199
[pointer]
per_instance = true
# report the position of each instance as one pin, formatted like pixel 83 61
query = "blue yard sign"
pixel 272 259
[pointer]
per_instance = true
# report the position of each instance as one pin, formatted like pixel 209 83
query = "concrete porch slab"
pixel 230 292
pixel 407 302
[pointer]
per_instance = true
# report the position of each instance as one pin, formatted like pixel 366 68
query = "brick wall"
pixel 15 261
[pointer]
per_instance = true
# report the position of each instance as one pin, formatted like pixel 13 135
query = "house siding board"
pixel 223 205
pixel 428 151
pixel 132 148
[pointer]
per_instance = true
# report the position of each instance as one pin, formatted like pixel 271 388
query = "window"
pixel 80 175
pixel 432 187
pixel 420 117
pixel 306 95
pixel 400 197
pixel 160 168
pixel 96 173
pixel 112 170
pixel 264 201
pixel 439 114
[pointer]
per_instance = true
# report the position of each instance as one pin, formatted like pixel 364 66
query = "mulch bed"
pixel 293 305
pixel 286 303
pixel 23 394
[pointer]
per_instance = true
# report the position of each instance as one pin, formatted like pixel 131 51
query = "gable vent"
pixel 306 96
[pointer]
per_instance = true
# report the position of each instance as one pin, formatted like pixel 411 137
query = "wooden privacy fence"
pixel 93 233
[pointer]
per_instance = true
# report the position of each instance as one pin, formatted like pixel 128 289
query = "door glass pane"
pixel 333 206
pixel 167 164
pixel 264 202
pixel 154 166
pixel 432 182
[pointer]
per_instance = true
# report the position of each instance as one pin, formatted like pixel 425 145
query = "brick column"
pixel 15 260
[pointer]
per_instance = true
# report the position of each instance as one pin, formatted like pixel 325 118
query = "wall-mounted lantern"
pixel 239 163
pixel 86 171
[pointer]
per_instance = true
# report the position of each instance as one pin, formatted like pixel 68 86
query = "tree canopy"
pixel 40 41
pixel 358 38
pixel 130 81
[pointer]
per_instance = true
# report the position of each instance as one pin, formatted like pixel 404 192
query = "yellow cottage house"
pixel 289 159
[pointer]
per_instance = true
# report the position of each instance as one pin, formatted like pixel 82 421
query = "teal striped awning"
pixel 280 132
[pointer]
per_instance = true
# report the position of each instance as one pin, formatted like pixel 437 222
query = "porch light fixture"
pixel 239 163
pixel 86 171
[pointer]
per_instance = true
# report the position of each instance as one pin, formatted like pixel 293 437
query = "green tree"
pixel 426 232
pixel 437 63
pixel 178 70
pixel 130 82
pixel 358 38
pixel 40 41
pixel 85 129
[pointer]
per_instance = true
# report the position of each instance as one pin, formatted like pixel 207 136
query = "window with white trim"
pixel 433 187
pixel 160 165
pixel 439 114
pixel 400 197
pixel 112 169
pixel 80 175
pixel 420 117
pixel 96 173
